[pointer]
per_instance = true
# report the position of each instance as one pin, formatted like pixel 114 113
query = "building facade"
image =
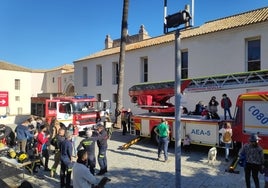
pixel 19 84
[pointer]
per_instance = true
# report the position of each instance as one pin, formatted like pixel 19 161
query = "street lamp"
pixel 174 21
pixel 177 19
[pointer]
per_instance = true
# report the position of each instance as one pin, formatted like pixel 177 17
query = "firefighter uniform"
pixel 102 138
pixel 89 145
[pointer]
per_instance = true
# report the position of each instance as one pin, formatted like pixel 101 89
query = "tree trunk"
pixel 119 102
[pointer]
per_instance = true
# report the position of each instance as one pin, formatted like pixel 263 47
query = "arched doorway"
pixel 69 91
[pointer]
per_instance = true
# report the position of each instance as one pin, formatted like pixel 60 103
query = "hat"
pixel 254 138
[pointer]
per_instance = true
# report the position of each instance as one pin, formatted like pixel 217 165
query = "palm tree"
pixel 124 32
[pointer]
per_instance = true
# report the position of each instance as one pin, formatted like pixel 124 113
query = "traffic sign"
pixel 3 98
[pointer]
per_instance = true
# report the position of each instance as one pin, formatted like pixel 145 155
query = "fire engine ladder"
pixel 228 81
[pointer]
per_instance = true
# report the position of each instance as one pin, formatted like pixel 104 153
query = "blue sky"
pixel 44 34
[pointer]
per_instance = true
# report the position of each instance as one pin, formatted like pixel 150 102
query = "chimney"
pixel 108 42
pixel 143 34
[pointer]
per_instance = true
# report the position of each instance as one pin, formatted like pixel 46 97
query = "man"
pixel 226 104
pixel 66 161
pixel 254 159
pixel 82 177
pixel 23 134
pixel 88 144
pixel 59 138
pixel 102 138
pixel 162 130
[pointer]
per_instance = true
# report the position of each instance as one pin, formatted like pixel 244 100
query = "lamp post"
pixel 174 21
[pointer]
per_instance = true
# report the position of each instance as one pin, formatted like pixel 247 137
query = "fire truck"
pixel 250 111
pixel 87 110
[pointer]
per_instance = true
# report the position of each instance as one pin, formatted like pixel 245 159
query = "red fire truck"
pixel 250 111
pixel 85 109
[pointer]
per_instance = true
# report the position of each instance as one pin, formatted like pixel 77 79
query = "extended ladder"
pixel 230 81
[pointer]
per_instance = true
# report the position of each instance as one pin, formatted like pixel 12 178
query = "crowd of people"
pixel 39 140
pixel 210 111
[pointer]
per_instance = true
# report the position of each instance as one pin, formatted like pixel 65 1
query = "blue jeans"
pixel 227 110
pixel 163 145
pixel 227 148
pixel 102 160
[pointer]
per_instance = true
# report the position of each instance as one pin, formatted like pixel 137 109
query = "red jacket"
pixel 41 141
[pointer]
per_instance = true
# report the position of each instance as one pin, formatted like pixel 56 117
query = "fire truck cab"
pixel 87 110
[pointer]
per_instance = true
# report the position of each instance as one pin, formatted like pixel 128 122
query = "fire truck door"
pixel 64 111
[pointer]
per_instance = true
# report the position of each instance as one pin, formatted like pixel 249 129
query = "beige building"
pixel 237 43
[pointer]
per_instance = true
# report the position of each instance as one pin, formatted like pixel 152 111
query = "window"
pixel 99 97
pixel 144 69
pixel 115 97
pixel 85 76
pixel 53 80
pixel 99 75
pixel 17 98
pixel 254 55
pixel 17 84
pixel 184 65
pixel 115 73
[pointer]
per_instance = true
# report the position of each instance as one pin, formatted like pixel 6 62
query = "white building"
pixel 238 43
pixel 19 84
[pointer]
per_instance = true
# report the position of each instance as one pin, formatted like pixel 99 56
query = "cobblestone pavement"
pixel 138 167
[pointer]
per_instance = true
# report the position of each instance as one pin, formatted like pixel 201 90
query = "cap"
pixel 254 138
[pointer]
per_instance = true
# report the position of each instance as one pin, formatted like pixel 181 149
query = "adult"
pixel 162 130
pixel 74 129
pixel 124 120
pixel 88 144
pixel 66 161
pixel 129 117
pixel 102 137
pixel 82 177
pixel 199 107
pixel 226 104
pixel 108 124
pixel 23 134
pixel 7 136
pixel 226 138
pixel 42 146
pixel 213 105
pixel 254 159
pixel 59 138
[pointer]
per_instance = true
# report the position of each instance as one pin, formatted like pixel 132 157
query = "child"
pixel 187 143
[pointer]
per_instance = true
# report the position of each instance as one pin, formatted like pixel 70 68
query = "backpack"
pixel 227 137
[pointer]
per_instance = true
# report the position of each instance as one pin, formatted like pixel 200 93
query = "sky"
pixel 44 34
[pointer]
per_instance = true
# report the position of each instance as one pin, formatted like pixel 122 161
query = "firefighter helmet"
pixel 22 157
pixel 11 153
